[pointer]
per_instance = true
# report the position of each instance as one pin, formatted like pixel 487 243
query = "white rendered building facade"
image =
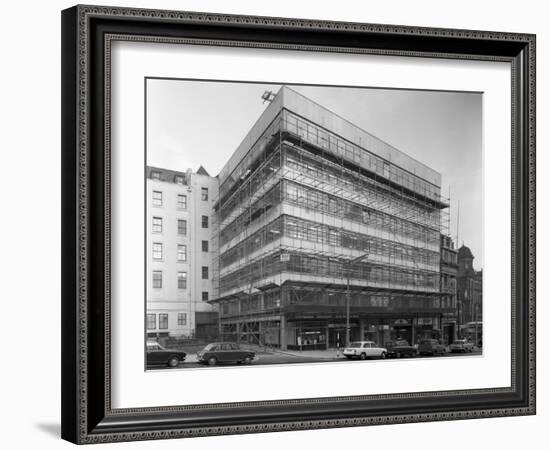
pixel 178 253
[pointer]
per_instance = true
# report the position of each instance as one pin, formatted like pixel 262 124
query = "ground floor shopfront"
pixel 308 316
pixel 301 333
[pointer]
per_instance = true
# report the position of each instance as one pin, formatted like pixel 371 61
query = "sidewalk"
pixel 323 354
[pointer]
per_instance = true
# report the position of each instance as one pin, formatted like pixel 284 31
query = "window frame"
pixel 157 202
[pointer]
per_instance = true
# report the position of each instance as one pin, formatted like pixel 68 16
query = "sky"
pixel 192 123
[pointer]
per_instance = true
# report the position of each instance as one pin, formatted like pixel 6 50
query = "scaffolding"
pixel 302 203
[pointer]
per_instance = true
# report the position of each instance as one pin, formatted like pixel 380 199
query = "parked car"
pixel 399 348
pixel 157 355
pixel 364 350
pixel 224 352
pixel 430 347
pixel 462 345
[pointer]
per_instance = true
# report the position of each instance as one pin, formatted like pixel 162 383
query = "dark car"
pixel 399 348
pixel 461 345
pixel 431 347
pixel 157 355
pixel 224 352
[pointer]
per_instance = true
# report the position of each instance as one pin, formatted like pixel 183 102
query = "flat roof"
pixel 301 105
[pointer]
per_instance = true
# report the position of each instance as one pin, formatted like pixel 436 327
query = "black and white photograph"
pixel 289 223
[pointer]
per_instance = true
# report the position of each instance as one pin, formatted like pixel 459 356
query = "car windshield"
pixel 355 345
pixel 209 347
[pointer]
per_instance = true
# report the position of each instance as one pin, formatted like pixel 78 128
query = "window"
pixel 204 194
pixel 163 321
pixel 182 227
pixel 179 179
pixel 204 246
pixel 182 201
pixel 157 250
pixel 182 319
pixel 151 321
pixel 204 222
pixel 204 273
pixel 182 280
pixel 157 224
pixel 205 296
pixel 157 279
pixel 157 198
pixel 155 175
pixel 182 253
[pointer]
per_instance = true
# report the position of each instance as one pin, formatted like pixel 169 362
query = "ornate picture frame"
pixel 88 33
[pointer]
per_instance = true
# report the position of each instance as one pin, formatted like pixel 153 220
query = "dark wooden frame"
pixel 87 416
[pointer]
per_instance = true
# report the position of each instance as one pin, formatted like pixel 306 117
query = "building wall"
pixel 448 288
pixel 181 201
pixel 469 289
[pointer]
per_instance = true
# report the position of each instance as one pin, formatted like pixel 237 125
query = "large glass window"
pixel 182 280
pixel 157 224
pixel 182 227
pixel 204 245
pixel 182 253
pixel 204 221
pixel 182 319
pixel 333 267
pixel 204 272
pixel 204 194
pixel 157 198
pixel 163 321
pixel 157 279
pixel 151 321
pixel 157 250
pixel 182 201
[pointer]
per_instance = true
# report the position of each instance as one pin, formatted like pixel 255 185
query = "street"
pixel 307 357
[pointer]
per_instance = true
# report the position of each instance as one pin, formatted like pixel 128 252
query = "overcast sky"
pixel 193 123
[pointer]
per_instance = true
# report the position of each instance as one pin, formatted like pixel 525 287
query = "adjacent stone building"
pixel 469 294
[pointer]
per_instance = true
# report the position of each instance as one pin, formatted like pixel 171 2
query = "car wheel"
pixel 363 356
pixel 212 361
pixel 247 360
pixel 173 361
pixel 383 355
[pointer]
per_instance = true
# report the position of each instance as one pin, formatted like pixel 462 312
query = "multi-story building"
pixel 469 292
pixel 449 266
pixel 309 201
pixel 179 254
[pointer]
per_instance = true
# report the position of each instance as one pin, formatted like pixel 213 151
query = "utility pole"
pixel 348 294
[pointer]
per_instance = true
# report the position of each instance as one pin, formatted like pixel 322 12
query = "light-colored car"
pixel 364 350
pixel 462 345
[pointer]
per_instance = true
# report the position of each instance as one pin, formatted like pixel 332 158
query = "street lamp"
pixel 348 271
